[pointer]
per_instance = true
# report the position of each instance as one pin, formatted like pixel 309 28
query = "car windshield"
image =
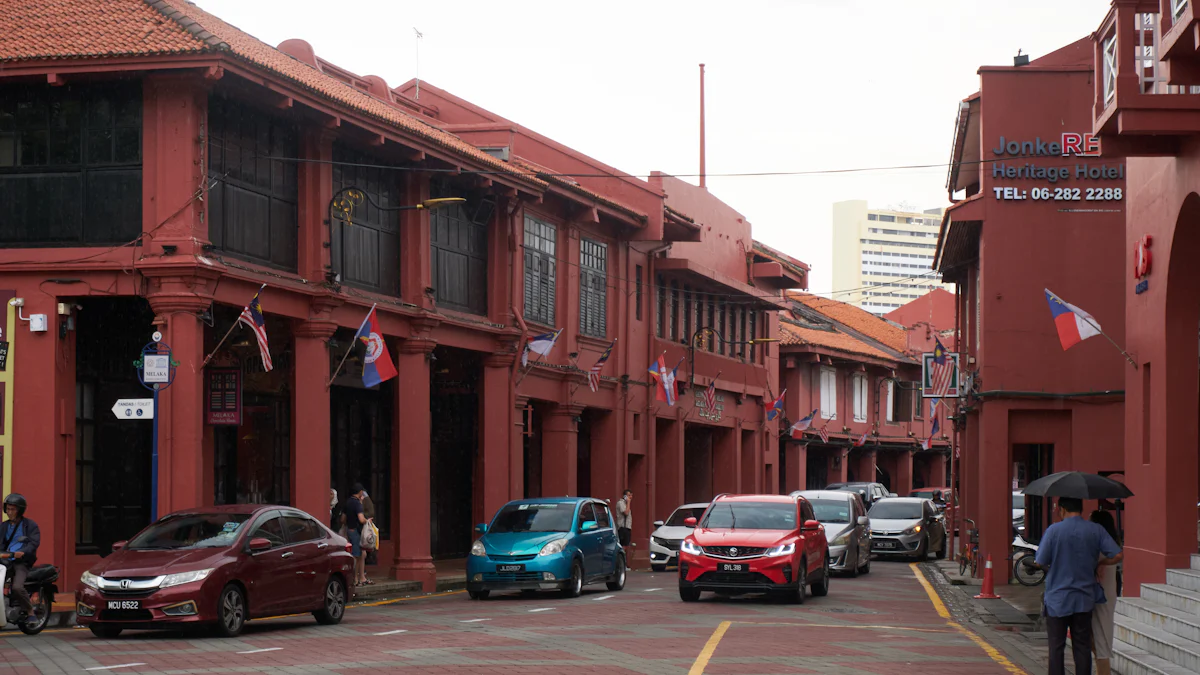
pixel 1018 501
pixel 895 510
pixel 681 515
pixel 926 494
pixel 752 515
pixel 189 531
pixel 553 517
pixel 831 510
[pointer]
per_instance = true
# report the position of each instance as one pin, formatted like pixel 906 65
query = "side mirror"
pixel 864 521
pixel 259 544
pixel 118 545
pixel 481 528
pixel 588 526
pixel 811 525
pixel 690 522
pixel 892 494
pixel 658 523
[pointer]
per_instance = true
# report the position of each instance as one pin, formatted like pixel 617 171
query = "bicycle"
pixel 970 555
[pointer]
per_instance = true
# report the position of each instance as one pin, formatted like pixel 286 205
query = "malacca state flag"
pixel 377 363
pixel 775 408
pixel 1074 325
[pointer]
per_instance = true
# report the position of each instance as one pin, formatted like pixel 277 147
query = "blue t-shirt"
pixel 353 508
pixel 1071 549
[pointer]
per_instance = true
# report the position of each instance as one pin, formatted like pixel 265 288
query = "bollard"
pixel 989 583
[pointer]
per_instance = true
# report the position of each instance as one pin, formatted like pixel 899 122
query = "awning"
pixel 769 299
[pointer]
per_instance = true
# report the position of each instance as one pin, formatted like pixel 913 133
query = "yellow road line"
pixel 938 605
pixel 709 647
pixel 842 625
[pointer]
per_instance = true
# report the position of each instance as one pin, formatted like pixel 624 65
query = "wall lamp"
pixel 344 201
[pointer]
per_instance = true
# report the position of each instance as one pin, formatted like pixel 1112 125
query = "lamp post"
pixel 344 201
pixel 709 331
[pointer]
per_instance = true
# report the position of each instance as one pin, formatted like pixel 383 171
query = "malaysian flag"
pixel 252 316
pixel 710 395
pixel 593 375
pixel 941 370
pixel 823 434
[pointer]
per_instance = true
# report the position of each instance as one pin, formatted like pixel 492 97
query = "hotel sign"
pixel 1019 161
pixel 703 411
pixel 223 399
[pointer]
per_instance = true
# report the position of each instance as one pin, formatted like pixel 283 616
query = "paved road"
pixel 877 624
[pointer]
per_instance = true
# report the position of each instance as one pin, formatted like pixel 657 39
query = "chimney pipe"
pixel 702 171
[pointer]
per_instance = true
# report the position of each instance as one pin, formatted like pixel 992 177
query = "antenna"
pixel 702 172
pixel 417 97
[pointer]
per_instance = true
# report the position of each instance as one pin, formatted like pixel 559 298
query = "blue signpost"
pixel 156 371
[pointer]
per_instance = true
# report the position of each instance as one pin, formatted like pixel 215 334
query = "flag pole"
pixel 537 360
pixel 350 348
pixel 1112 341
pixel 227 333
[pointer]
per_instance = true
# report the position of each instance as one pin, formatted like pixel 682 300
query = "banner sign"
pixel 223 398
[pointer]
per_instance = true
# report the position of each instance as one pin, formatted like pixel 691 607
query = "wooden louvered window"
pixel 593 288
pixel 753 336
pixel 459 247
pixel 661 309
pixel 540 242
pixel 366 252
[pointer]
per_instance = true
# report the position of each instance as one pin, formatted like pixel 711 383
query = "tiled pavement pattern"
pixel 878 624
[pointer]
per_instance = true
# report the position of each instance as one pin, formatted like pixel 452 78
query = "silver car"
pixel 908 526
pixel 664 541
pixel 846 527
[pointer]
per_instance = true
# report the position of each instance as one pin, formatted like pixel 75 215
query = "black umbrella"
pixel 1079 485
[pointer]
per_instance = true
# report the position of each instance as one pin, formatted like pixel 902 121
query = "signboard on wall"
pixel 223 396
pixel 940 380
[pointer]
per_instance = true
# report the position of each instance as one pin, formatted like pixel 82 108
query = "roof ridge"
pixel 187 23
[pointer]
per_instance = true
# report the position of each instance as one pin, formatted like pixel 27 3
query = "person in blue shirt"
pixel 19 541
pixel 1069 550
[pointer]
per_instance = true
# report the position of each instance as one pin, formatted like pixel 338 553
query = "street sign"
pixel 134 409
pixel 156 368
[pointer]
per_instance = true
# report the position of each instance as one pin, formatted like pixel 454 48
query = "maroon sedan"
pixel 222 566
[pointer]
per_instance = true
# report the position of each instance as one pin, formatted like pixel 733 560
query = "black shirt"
pixel 353 508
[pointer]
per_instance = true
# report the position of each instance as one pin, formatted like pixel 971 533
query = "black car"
pixel 870 492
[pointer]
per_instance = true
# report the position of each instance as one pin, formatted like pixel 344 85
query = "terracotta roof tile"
pixel 857 319
pixel 791 334
pixel 568 183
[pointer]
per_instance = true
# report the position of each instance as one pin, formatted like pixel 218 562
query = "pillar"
pixel 410 465
pixel 668 466
pixel 416 266
pixel 173 164
pixel 839 465
pixel 310 419
pixel 797 467
pixel 864 465
pixel 751 460
pixel 902 477
pixel 726 465
pixel 516 455
pixel 560 451
pixel 993 470
pixel 608 466
pixel 937 471
pixel 494 437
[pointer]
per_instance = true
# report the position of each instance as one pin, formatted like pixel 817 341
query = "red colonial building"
pixel 1030 214
pixel 158 166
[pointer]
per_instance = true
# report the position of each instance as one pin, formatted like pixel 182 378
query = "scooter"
pixel 1025 567
pixel 39 585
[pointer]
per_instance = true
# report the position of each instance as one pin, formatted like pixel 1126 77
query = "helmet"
pixel 16 500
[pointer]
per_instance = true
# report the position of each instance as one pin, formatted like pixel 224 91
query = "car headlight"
pixel 915 529
pixel 553 548
pixel 689 546
pixel 478 549
pixel 184 578
pixel 90 580
pixel 782 549
pixel 842 539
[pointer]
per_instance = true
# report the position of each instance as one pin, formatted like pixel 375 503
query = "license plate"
pixel 885 544
pixel 510 568
pixel 733 567
pixel 124 604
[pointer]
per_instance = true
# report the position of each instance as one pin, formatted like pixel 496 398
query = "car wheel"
pixel 658 568
pixel 618 579
pixel 333 606
pixel 575 585
pixel 528 592
pixel 796 596
pixel 688 594
pixel 821 588
pixel 866 569
pixel 231 612
pixel 853 571
pixel 478 595
pixel 941 552
pixel 104 632
pixel 923 550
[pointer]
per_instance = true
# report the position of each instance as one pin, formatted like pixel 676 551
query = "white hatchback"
pixel 664 541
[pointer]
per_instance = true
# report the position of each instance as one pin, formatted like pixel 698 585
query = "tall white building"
pixel 882 258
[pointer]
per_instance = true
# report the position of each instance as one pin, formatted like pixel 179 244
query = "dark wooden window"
pixel 661 310
pixel 638 289
pixel 753 336
pixel 85 463
pixel 541 239
pixel 722 327
pixel 711 322
pixel 70 164
pixel 459 247
pixel 367 252
pixel 252 199
pixel 687 313
pixel 673 331
pixel 593 288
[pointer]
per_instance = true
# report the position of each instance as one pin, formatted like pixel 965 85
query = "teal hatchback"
pixel 559 544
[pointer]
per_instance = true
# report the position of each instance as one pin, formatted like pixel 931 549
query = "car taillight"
pixel 349 547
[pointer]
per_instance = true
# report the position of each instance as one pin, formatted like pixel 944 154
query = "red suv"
pixel 755 544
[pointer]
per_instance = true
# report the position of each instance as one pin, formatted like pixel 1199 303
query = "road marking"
pixel 544 609
pixel 709 647
pixel 259 651
pixel 940 607
pixel 474 620
pixel 393 632
pixel 844 625
pixel 603 597
pixel 651 590
pixel 123 665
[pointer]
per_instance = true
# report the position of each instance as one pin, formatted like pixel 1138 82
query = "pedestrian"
pixel 20 538
pixel 1069 550
pixel 625 519
pixel 1102 616
pixel 370 557
pixel 353 513
pixel 335 511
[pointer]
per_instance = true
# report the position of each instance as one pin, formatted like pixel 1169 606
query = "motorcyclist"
pixel 19 541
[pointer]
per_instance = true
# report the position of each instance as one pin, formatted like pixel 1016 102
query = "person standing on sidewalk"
pixel 625 519
pixel 1102 616
pixel 1069 550
pixel 354 522
pixel 370 557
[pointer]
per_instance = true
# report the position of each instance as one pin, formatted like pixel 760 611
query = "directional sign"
pixel 134 409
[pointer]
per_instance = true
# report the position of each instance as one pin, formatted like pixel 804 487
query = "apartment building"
pixel 882 258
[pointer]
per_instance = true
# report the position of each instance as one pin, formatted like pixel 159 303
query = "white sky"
pixel 798 85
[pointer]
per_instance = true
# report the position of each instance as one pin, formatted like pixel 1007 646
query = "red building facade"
pixel 1029 215
pixel 159 186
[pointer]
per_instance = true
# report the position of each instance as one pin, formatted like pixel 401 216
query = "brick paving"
pixel 877 624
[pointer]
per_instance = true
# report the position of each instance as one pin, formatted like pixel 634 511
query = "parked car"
pixel 755 544
pixel 940 496
pixel 221 565
pixel 907 526
pixel 560 544
pixel 664 541
pixel 870 492
pixel 846 527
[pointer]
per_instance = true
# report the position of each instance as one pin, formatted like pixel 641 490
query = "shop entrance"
pixel 583 443
pixel 454 442
pixel 817 469
pixel 1031 462
pixel 112 456
pixel 532 415
pixel 360 429
pixel 697 463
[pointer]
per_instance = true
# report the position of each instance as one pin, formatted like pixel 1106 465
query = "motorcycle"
pixel 1025 567
pixel 40 586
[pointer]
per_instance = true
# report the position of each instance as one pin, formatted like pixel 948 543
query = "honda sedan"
pixel 219 566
